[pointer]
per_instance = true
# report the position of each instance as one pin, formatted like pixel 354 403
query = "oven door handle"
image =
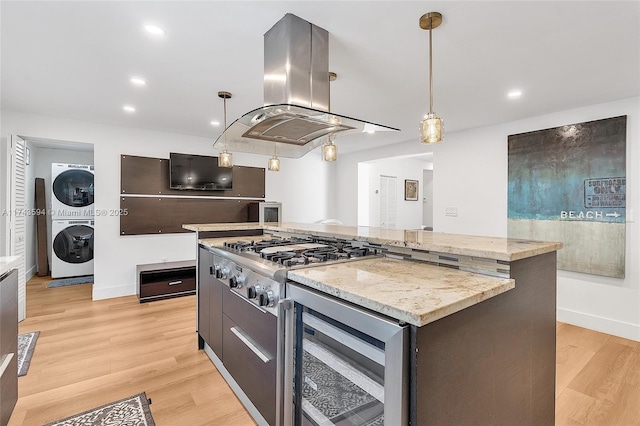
pixel 248 343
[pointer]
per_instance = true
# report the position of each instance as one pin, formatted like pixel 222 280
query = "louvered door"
pixel 16 229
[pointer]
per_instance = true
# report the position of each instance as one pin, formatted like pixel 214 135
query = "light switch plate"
pixel 451 211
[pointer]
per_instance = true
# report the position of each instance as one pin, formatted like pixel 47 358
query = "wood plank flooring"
pixel 91 353
pixel 597 378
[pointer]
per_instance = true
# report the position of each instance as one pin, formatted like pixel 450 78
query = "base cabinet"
pixel 209 302
pixel 8 345
pixel 494 362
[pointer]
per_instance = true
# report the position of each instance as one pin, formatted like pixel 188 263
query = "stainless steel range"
pixel 257 322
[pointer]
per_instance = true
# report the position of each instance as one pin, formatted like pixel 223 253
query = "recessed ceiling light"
pixel 514 94
pixel 138 81
pixel 155 30
pixel 129 108
pixel 215 123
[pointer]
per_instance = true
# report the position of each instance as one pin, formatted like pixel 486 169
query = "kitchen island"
pixel 481 313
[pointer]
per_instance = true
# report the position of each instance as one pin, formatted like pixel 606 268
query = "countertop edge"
pixel 507 255
pixel 7 263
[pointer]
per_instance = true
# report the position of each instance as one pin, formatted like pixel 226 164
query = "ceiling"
pixel 74 60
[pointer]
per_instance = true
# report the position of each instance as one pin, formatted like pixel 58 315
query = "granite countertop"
pixel 506 249
pixel 8 263
pixel 414 292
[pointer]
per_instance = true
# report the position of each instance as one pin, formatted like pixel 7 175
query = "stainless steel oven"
pixel 247 329
pixel 243 322
pixel 343 365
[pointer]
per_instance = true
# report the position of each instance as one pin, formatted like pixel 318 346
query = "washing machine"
pixel 72 248
pixel 71 190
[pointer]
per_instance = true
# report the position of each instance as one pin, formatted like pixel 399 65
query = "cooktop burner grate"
pixel 301 251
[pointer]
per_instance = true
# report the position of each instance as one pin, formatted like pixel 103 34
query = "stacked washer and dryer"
pixel 72 218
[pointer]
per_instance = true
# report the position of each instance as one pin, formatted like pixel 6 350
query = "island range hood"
pixel 296 117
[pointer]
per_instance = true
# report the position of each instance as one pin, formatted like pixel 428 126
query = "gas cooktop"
pixel 295 251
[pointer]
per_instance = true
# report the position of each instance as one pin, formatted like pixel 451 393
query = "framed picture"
pixel 411 190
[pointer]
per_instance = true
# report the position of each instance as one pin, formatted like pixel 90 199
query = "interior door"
pixel 388 203
pixel 16 218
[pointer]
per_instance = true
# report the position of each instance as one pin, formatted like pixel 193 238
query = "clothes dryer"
pixel 72 248
pixel 71 191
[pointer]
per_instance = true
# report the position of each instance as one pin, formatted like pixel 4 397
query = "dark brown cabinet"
pixel 8 344
pixel 209 302
pixel 164 280
pixel 494 362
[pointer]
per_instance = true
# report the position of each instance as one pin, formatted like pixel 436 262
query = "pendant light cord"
pixel 430 68
pixel 224 101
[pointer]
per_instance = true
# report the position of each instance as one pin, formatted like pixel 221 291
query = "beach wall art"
pixel 568 184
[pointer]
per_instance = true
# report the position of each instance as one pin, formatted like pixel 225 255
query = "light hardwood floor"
pixel 91 353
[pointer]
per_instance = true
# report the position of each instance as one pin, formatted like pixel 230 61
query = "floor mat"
pixel 71 281
pixel 133 410
pixel 26 345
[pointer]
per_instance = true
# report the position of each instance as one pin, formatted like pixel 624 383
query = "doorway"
pixel 374 190
pixel 42 153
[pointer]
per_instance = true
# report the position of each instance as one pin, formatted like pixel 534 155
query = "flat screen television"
pixel 199 172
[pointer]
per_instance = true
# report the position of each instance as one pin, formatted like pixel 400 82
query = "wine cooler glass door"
pixel 349 371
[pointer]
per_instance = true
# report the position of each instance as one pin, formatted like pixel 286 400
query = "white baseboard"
pixel 100 293
pixel 30 273
pixel 604 325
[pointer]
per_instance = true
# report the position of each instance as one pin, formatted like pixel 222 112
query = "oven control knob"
pixel 218 271
pixel 241 280
pixel 224 272
pixel 267 298
pixel 251 292
pixel 233 281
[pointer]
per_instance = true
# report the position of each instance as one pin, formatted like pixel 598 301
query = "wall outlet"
pixel 451 211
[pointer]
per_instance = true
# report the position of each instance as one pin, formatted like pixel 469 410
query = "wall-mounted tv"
pixel 199 172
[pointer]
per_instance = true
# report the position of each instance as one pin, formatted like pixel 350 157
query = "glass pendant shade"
pixel 329 152
pixel 225 159
pixel 431 128
pixel 274 164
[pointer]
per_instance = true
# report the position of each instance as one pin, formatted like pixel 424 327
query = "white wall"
pixel 470 173
pixel 409 213
pixel 301 186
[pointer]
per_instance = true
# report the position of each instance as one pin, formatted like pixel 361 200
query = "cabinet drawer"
pixel 260 325
pixel 252 367
pixel 167 287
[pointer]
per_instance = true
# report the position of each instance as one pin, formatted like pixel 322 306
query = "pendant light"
pixel 329 150
pixel 225 159
pixel 274 162
pixel 432 127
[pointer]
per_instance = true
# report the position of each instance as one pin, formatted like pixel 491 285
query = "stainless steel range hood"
pixel 296 94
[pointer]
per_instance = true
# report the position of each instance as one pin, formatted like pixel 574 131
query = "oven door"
pixel 348 366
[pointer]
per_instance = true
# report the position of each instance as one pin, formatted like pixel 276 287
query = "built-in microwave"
pixel 270 212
